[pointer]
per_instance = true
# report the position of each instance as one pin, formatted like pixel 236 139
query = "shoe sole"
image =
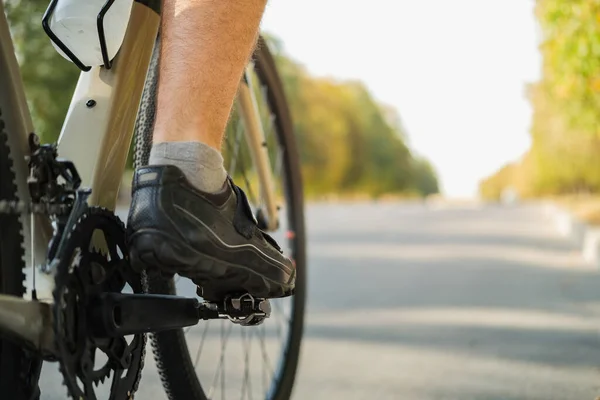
pixel 160 254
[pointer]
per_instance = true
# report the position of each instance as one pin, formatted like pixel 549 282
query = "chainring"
pixel 97 262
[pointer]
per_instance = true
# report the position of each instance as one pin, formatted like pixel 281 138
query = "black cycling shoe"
pixel 212 239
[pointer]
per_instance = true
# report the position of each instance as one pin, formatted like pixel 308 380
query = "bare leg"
pixel 208 236
pixel 205 47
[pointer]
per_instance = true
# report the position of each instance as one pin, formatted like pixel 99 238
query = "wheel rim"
pixel 231 361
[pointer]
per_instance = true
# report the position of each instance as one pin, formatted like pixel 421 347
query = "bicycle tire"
pixel 19 367
pixel 170 348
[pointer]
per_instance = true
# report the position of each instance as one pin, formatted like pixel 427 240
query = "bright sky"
pixel 456 70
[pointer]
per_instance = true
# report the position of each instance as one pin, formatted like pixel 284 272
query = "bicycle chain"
pixel 30 364
pixel 21 207
pixel 64 209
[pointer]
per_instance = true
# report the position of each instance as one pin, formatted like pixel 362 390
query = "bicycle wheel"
pixel 19 369
pixel 216 357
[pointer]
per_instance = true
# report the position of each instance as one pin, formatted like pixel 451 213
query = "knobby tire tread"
pixel 19 368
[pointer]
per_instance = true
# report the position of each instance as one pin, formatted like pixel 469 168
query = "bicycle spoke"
pixel 276 306
pixel 246 383
pixel 222 365
pixel 265 358
pixel 201 344
pixel 285 317
pixel 221 362
pixel 264 374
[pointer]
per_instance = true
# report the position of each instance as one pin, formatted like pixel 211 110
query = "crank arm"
pixel 118 314
pixel 58 242
pixel 29 323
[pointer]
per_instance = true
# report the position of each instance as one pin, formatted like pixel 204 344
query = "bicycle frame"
pixel 99 127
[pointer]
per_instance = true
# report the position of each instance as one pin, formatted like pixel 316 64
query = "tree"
pixel 348 142
pixel 425 179
pixel 49 78
pixel 565 152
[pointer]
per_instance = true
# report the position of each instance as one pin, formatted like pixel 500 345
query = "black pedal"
pixel 244 310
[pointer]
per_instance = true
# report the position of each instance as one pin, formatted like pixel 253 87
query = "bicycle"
pixel 67 293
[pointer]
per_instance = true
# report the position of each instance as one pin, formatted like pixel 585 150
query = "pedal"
pixel 244 310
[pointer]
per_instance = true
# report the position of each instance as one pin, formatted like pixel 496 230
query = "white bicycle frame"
pixel 99 127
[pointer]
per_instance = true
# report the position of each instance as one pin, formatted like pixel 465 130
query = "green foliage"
pixel 348 142
pixel 425 181
pixel 49 78
pixel 565 154
pixel 492 187
pixel 571 51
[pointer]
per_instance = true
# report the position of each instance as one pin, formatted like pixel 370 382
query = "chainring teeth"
pixel 79 380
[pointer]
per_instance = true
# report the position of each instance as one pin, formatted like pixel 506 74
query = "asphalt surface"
pixel 413 302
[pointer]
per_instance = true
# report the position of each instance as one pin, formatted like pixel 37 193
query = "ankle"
pixel 201 163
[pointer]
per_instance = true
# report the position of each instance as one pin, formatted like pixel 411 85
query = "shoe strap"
pixel 244 221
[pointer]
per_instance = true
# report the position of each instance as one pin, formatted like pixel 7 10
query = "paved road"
pixel 408 302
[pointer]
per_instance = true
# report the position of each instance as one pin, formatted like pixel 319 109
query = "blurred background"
pixel 351 142
pixel 434 135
